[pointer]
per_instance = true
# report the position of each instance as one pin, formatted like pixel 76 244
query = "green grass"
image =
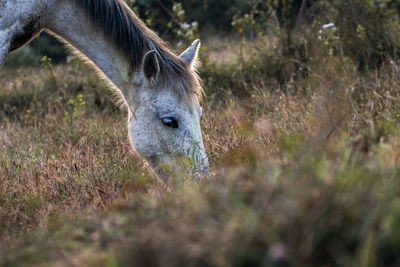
pixel 305 171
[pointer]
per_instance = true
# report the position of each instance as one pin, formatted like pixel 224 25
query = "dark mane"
pixel 131 35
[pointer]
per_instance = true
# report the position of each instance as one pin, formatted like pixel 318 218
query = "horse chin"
pixel 157 169
pixel 161 173
pixel 177 168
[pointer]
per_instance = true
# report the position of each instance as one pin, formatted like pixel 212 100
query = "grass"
pixel 305 170
pixel 60 150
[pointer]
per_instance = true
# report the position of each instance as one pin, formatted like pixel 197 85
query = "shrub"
pixel 31 54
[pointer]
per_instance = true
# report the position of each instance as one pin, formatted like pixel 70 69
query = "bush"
pixel 211 15
pixel 31 54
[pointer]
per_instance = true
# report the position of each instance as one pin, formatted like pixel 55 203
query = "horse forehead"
pixel 173 100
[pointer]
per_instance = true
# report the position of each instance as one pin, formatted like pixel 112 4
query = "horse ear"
pixel 150 65
pixel 190 55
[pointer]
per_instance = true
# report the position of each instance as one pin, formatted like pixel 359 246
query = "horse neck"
pixel 69 23
pixel 5 37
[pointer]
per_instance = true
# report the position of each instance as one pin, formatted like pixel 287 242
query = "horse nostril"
pixel 203 168
pixel 202 174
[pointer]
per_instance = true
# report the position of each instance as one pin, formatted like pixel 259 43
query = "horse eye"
pixel 170 122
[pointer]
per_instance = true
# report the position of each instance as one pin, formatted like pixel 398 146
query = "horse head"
pixel 162 90
pixel 165 123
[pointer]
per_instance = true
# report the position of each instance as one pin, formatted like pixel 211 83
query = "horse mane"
pixel 134 38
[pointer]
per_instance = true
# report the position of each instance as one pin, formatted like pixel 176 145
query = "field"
pixel 305 166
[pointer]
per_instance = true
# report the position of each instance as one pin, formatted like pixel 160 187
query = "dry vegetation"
pixel 305 169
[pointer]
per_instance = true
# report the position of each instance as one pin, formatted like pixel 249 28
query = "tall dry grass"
pixel 304 171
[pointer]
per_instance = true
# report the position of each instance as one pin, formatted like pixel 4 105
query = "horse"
pixel 163 91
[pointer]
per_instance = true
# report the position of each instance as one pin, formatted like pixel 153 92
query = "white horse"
pixel 163 91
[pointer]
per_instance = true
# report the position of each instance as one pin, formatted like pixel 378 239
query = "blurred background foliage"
pixel 365 31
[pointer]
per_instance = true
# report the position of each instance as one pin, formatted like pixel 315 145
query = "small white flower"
pixel 195 24
pixel 185 26
pixel 329 25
